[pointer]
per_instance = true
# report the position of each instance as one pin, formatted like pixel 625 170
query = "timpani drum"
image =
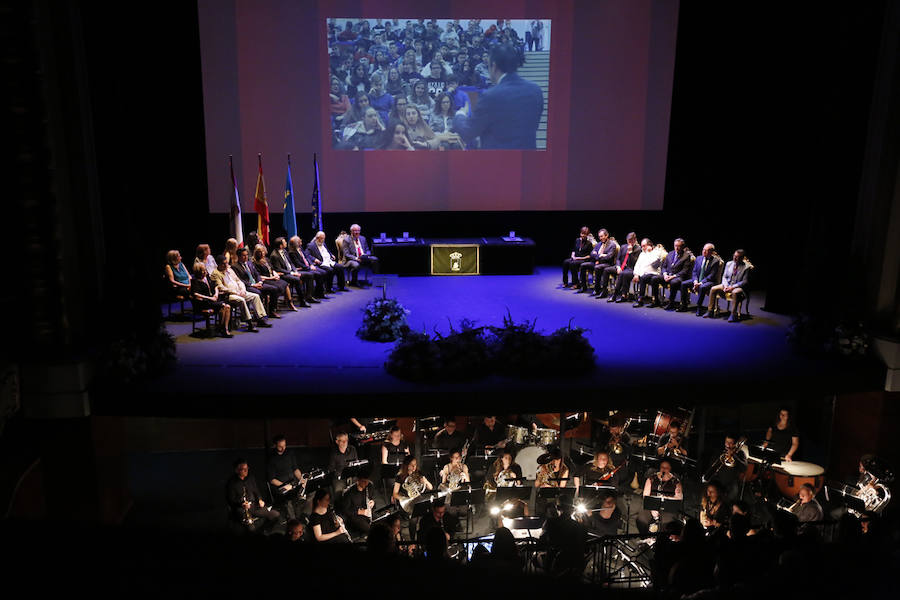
pixel 546 436
pixel 790 477
pixel 517 435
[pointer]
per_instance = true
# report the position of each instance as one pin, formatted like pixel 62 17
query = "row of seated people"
pixel 251 280
pixel 647 266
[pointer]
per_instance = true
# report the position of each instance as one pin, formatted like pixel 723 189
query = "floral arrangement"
pixel 384 320
pixel 470 352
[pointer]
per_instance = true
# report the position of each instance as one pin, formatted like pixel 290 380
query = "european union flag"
pixel 289 218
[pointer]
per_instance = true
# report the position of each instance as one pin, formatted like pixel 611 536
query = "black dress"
pixel 201 286
pixel 327 523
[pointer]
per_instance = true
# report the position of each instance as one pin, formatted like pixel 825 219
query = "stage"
pixel 315 351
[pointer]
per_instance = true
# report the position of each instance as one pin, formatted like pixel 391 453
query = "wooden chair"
pixel 207 314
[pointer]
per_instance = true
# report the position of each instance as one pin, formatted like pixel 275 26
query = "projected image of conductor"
pixel 508 114
pixel 474 86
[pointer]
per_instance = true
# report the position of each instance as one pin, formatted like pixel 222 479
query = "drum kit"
pixel 532 446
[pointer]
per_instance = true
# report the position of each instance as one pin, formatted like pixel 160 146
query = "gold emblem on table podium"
pixel 455 261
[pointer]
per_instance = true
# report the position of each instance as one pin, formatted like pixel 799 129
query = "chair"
pixel 745 302
pixel 206 314
pixel 172 295
pixel 338 243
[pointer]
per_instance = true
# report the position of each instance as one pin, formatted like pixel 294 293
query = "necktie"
pixel 249 273
pixel 703 268
pixel 358 248
pixel 627 252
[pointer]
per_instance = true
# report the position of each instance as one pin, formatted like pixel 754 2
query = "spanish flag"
pixel 262 206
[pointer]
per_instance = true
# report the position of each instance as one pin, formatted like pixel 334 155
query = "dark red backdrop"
pixel 608 119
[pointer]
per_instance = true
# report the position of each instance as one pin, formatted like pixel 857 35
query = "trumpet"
pixel 247 518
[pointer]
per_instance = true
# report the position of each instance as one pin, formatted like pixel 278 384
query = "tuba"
pixel 875 495
pixel 504 476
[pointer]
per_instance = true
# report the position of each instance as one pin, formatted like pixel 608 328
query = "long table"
pixel 425 256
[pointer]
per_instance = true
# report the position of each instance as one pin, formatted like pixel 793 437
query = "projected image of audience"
pixel 438 84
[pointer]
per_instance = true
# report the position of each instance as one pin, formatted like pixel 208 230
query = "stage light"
pixel 508 506
pixel 580 508
pixel 495 510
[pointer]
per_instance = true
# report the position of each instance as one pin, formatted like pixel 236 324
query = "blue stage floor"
pixel 316 351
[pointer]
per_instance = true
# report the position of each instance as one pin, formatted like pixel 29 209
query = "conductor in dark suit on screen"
pixel 506 116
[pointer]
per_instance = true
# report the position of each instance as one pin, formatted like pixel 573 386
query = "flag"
pixel 237 226
pixel 261 205
pixel 289 217
pixel 317 224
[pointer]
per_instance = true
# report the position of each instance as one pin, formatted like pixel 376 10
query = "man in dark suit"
pixel 304 264
pixel 247 273
pixel 624 268
pixel 602 256
pixel 506 115
pixel 676 269
pixel 301 282
pixel 707 273
pixel 356 253
pixel 322 257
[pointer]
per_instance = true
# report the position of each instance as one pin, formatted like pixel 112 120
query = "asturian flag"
pixel 237 226
pixel 289 216
pixel 261 205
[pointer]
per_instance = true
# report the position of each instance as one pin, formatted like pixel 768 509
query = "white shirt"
pixel 326 255
pixel 644 262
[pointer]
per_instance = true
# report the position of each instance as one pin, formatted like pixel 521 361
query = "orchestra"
pixel 522 473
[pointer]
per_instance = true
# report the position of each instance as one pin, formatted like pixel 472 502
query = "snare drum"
pixel 790 477
pixel 517 435
pixel 547 436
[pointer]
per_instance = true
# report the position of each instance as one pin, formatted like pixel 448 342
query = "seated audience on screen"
pixel 395 138
pixel 398 112
pixel 359 79
pixel 379 99
pixel 340 103
pixel 366 134
pixel 205 296
pixel 420 99
pixel 421 135
pixel 395 85
pixel 358 107
pixel 442 118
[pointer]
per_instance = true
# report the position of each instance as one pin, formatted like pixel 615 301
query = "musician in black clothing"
pixel 449 438
pixel 728 467
pixel 357 505
pixel 325 524
pixel 394 451
pixel 437 518
pixel 600 472
pixel 663 483
pixel 783 436
pixel 581 252
pixel 243 498
pixel 489 434
pixel 285 477
pixel 605 519
pixel 342 454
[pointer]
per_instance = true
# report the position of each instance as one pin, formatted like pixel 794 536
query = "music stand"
pixel 848 499
pixel 467 497
pixel 591 493
pixel 422 507
pixel 561 494
pixel 663 504
pixel 513 493
pixel 764 455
